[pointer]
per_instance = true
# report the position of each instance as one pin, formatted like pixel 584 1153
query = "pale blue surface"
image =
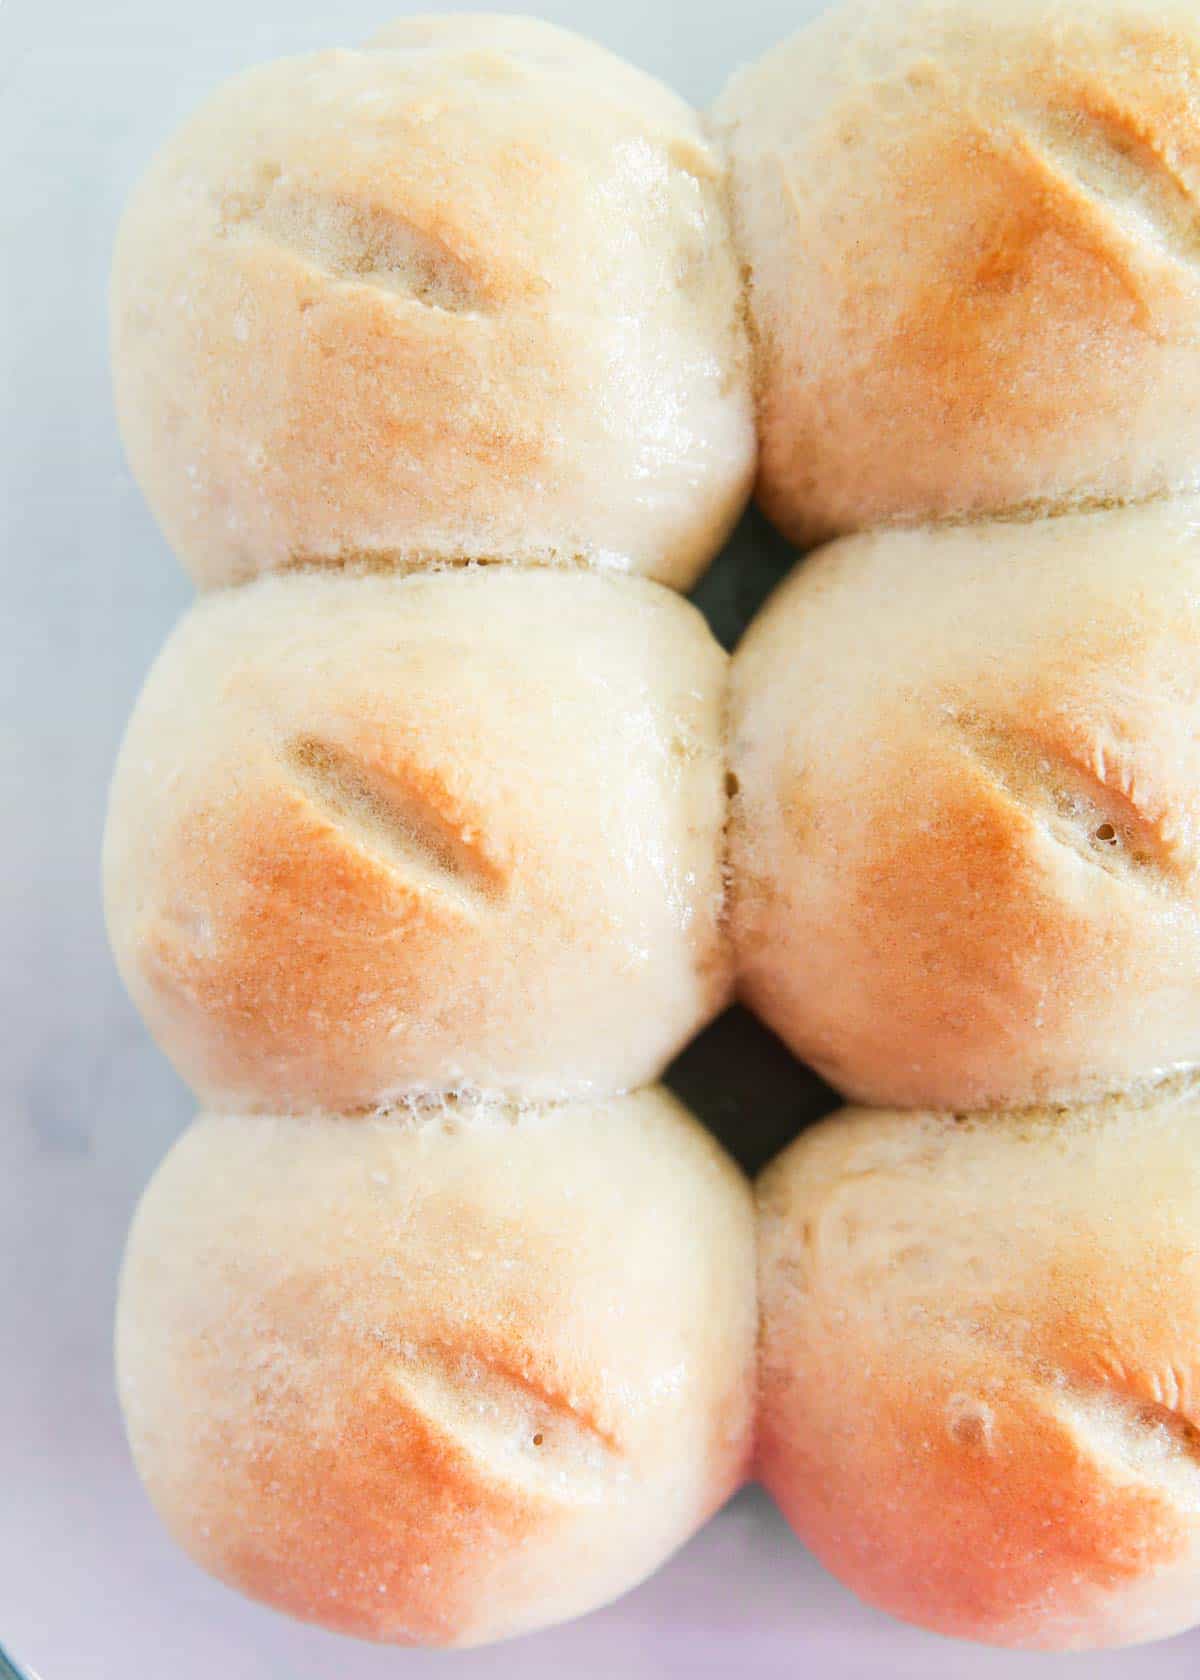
pixel 89 1587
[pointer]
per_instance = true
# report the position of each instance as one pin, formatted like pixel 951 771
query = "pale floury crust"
pixel 979 1378
pixel 467 293
pixel 971 231
pixel 371 836
pixel 965 849
pixel 443 1379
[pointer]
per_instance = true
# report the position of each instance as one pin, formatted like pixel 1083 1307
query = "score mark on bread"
pixel 1110 158
pixel 356 242
pixel 1153 1443
pixel 404 814
pixel 1080 801
pixel 515 1430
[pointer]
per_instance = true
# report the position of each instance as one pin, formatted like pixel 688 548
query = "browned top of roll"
pixel 467 293
pixel 973 238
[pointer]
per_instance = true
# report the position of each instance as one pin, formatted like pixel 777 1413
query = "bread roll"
pixel 980 1366
pixel 972 232
pixel 441 1381
pixel 371 836
pixel 965 845
pixel 466 294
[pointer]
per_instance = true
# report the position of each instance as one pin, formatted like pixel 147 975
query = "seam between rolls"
pixel 1022 513
pixel 421 1105
pixel 718 136
pixel 399 562
pixel 1176 1084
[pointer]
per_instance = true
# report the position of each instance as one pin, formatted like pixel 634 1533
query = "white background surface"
pixel 88 1584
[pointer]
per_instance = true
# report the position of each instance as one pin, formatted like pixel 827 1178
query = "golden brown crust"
pixel 977 1385
pixel 447 1379
pixel 374 836
pixel 465 294
pixel 972 238
pixel 964 848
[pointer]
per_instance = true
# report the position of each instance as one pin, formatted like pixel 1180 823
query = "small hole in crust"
pixel 1107 833
pixel 538 1439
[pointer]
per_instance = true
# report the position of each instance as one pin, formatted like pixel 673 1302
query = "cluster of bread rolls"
pixel 439 1324
pixel 441 826
pixel 964 848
